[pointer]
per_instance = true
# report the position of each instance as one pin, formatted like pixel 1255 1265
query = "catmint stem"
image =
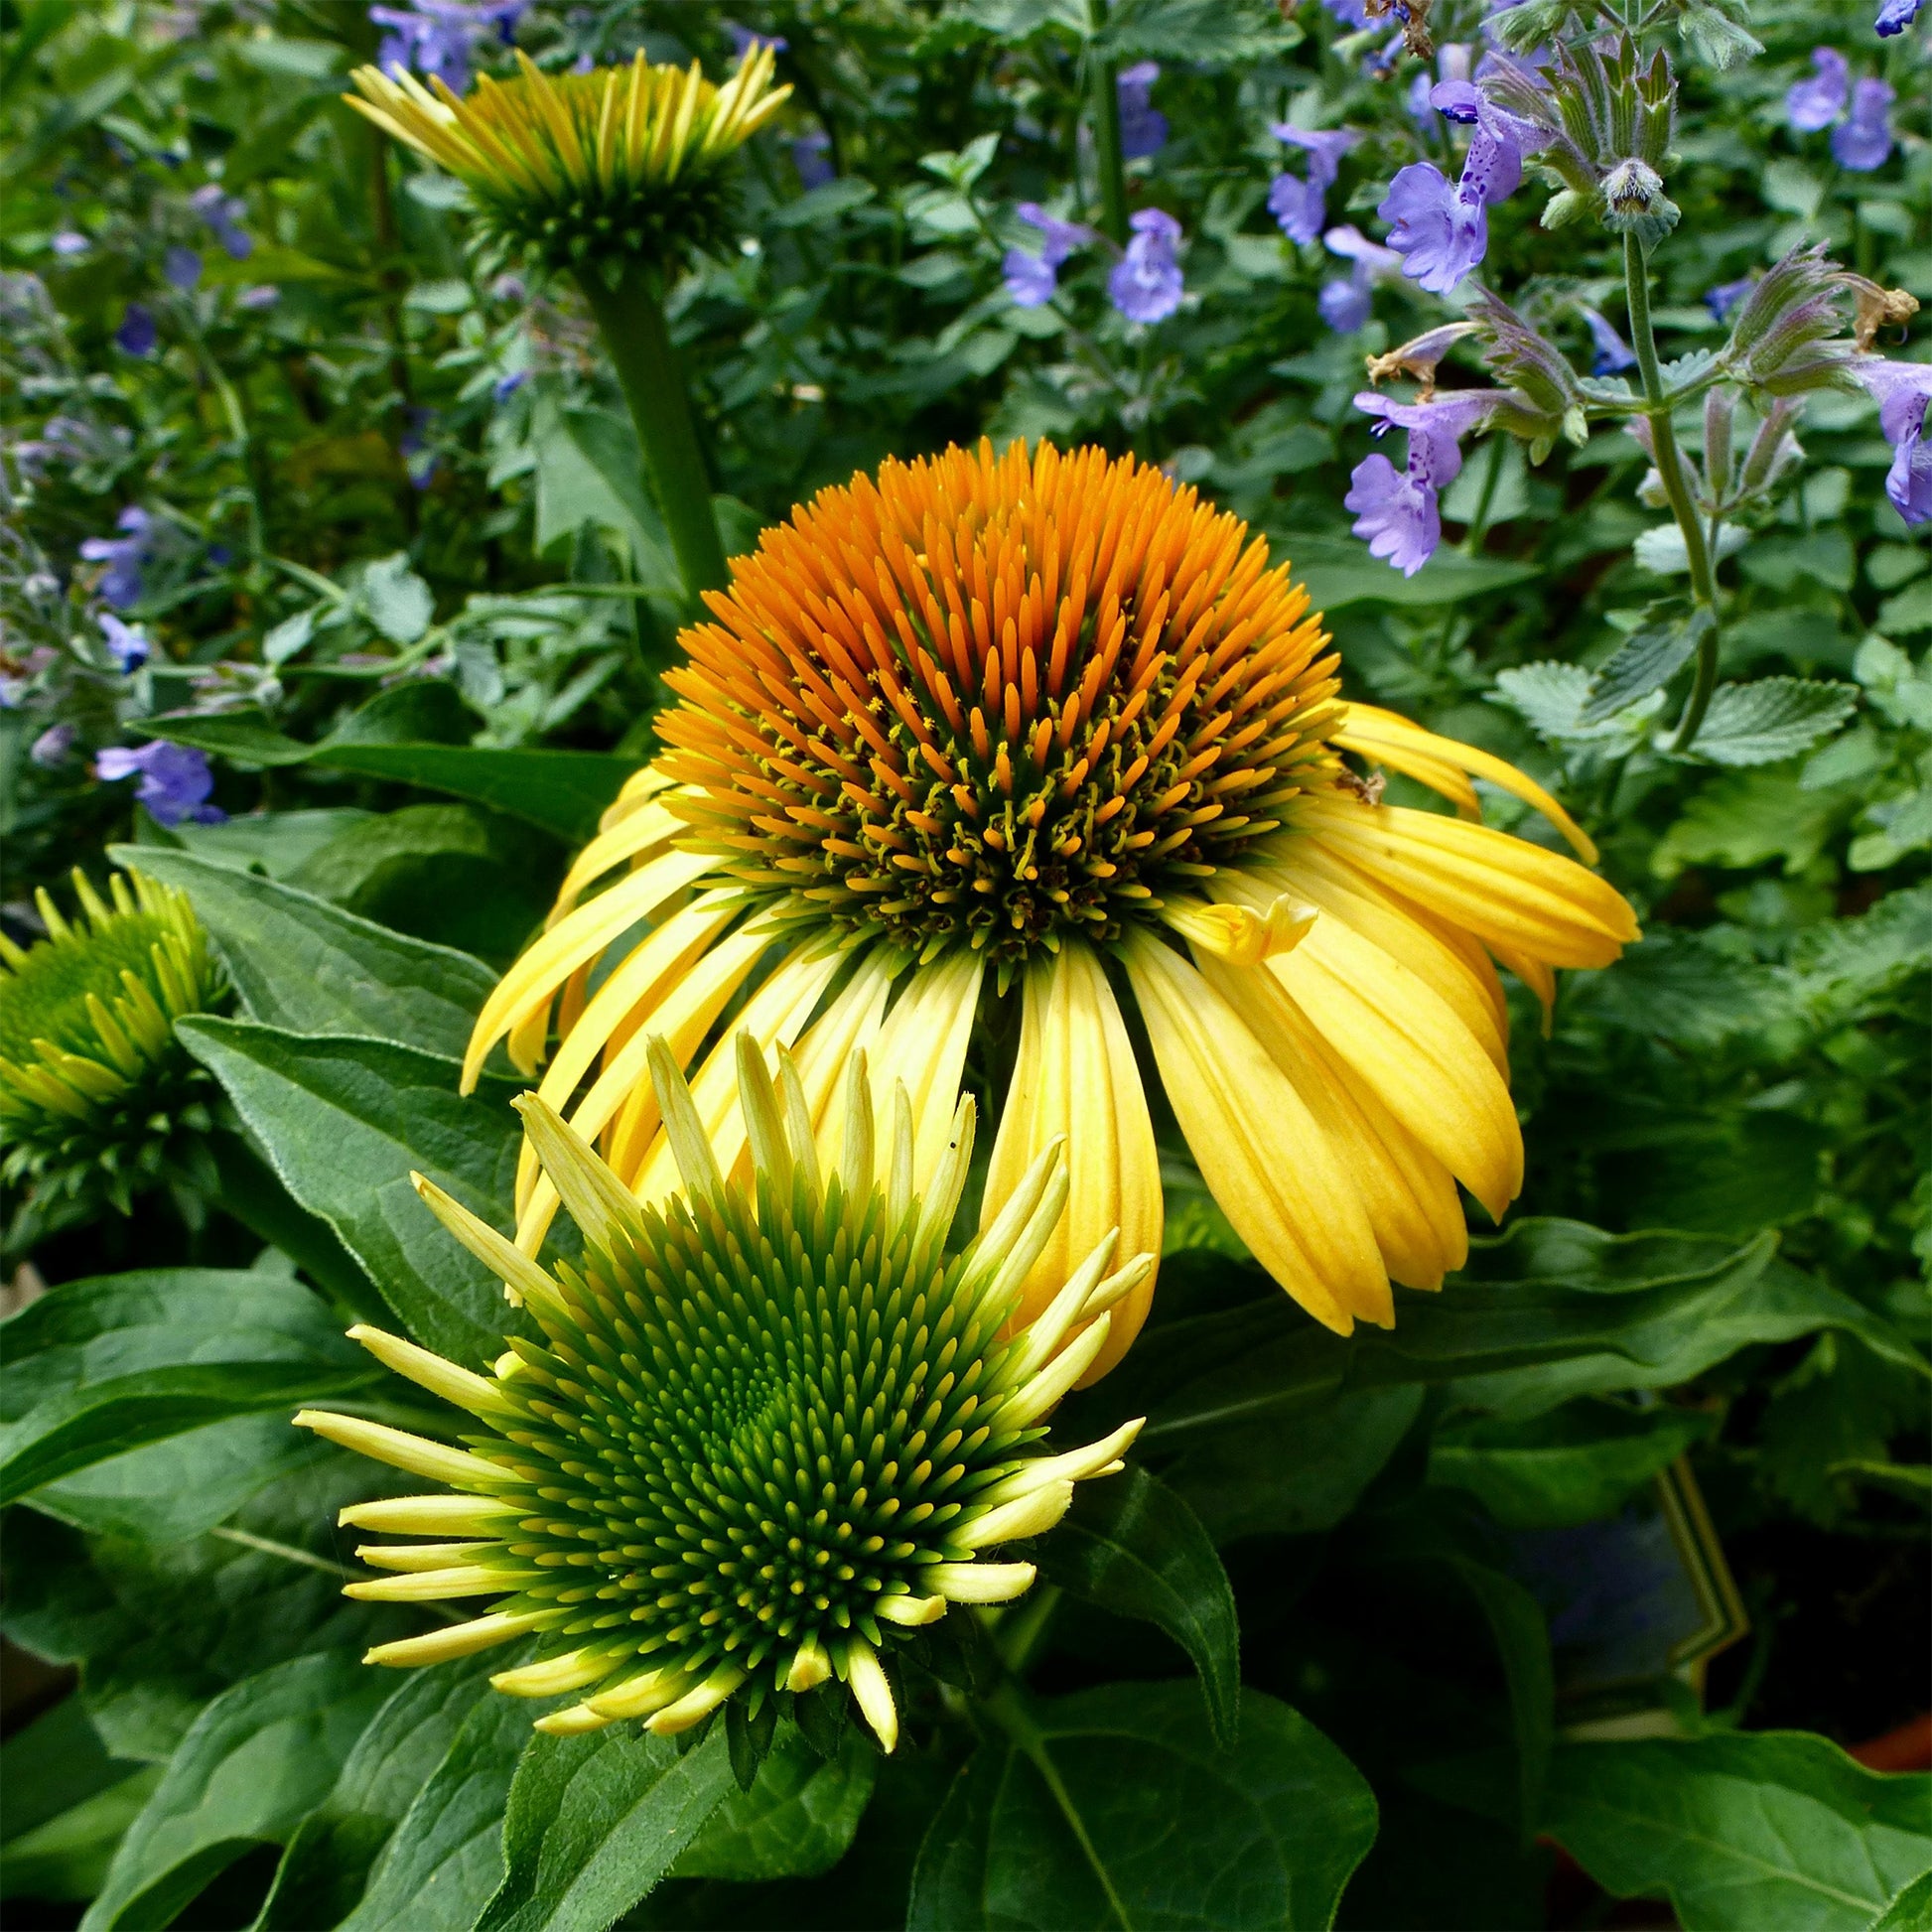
pixel 1670 466
pixel 631 318
pixel 1106 136
pixel 1479 523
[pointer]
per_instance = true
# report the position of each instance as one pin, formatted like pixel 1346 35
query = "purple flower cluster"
pixel 1613 355
pixel 124 556
pixel 127 644
pixel 1894 16
pixel 1441 227
pixel 1902 390
pixel 137 333
pixel 1146 284
pixel 1861 138
pixel 1031 279
pixel 1302 206
pixel 68 243
pixel 1344 302
pixel 175 780
pixel 181 268
pixel 223 213
pixel 1398 512
pixel 437 37
pixel 1143 126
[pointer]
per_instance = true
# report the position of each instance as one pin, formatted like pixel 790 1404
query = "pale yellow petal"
pixel 923 1044
pixel 636 834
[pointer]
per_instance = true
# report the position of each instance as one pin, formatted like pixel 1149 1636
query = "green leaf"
pixel 798 1819
pixel 1522 1640
pixel 1646 661
pixel 561 793
pixel 1135 1548
pixel 1211 33
pixel 66 1860
pixel 256 1762
pixel 323 1872
pixel 274 843
pixel 398 601
pixel 1911 1910
pixel 1553 699
pixel 1114 1808
pixel 1772 717
pixel 1743 1833
pixel 595 1821
pixel 1575 1463
pixel 343 1123
pixel 590 469
pixel 95 1369
pixel 300 964
pixel 50 1765
pixel 1338 571
pixel 441 1864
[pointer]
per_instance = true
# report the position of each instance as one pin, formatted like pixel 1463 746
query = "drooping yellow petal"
pixel 1075 1076
pixel 637 835
pixel 1259 1150
pixel 922 1045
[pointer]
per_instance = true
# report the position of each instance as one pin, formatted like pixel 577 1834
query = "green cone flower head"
pixel 586 168
pixel 96 1094
pixel 769 1434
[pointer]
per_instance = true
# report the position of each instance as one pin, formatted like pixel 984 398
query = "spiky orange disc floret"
pixel 997 700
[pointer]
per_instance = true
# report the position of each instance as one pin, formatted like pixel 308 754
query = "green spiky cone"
pixel 97 1097
pixel 769 1435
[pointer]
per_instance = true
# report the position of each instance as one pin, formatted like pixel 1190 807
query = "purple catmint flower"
pixel 1901 391
pixel 1727 296
pixel 181 268
pixel 507 288
pixel 1146 284
pixel 261 295
pixel 1398 512
pixel 68 243
pixel 1894 16
pixel 1440 234
pixel 1143 126
pixel 418 457
pixel 505 386
pixel 1032 278
pixel 437 37
pixel 1614 353
pixel 1457 100
pixel 123 555
pixel 1351 12
pixel 175 780
pixel 127 644
pixel 137 333
pixel 1302 206
pixel 809 156
pixel 1862 140
pixel 1344 302
pixel 224 214
pixel 1818 102
pixel 744 40
pixel 53 746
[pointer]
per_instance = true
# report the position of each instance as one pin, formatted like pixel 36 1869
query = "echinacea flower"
pixel 1816 103
pixel 1049 724
pixel 769 1431
pixel 592 167
pixel 96 1095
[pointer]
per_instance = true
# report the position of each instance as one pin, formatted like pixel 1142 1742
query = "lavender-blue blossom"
pixel 68 243
pixel 1440 234
pixel 744 39
pixel 1816 103
pixel 1727 296
pixel 437 37
pixel 127 644
pixel 53 746
pixel 260 294
pixel 1398 512
pixel 224 214
pixel 505 386
pixel 1862 141
pixel 137 333
pixel 1894 16
pixel 1143 126
pixel 1613 355
pixel 181 268
pixel 1351 12
pixel 1345 304
pixel 809 158
pixel 1031 278
pixel 175 780
pixel 1300 207
pixel 1146 284
pixel 1901 391
pixel 124 556
pixel 418 457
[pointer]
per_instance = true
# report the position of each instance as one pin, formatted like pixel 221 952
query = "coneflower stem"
pixel 1670 468
pixel 630 317
pixel 1106 135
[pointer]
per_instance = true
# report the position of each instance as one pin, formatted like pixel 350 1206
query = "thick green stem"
pixel 1106 136
pixel 630 317
pixel 1670 466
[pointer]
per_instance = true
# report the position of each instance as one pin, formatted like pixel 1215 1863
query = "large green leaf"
pixel 595 1821
pixel 1135 1548
pixel 1113 1808
pixel 95 1369
pixel 326 1864
pixel 1338 571
pixel 795 1820
pixel 300 964
pixel 1773 1831
pixel 343 1122
pixel 254 1765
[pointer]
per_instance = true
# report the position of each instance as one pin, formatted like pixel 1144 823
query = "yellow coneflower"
pixel 769 1434
pixel 96 1095
pixel 1052 720
pixel 584 166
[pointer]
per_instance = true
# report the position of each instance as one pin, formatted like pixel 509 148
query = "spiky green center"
pixel 45 996
pixel 591 226
pixel 757 1424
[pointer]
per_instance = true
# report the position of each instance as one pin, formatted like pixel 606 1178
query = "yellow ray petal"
pixel 1075 1076
pixel 1259 1151
pixel 638 834
pixel 849 1024
pixel 923 1044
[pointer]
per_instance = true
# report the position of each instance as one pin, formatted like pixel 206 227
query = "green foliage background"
pixel 1336 1646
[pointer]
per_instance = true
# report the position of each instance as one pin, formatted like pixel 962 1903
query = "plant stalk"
pixel 1670 466
pixel 630 317
pixel 1106 136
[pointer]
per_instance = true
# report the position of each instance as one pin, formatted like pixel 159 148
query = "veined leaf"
pixel 795 1820
pixel 1772 718
pixel 1645 662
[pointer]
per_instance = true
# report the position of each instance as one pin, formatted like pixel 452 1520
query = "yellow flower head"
pixel 769 1434
pixel 1053 716
pixel 96 1095
pixel 586 168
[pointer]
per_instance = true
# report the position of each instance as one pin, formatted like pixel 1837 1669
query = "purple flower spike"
pixel 1031 279
pixel 1440 235
pixel 175 780
pixel 1818 102
pixel 809 156
pixel 1864 141
pixel 123 555
pixel 1894 16
pixel 1397 517
pixel 1325 148
pixel 1614 353
pixel 68 243
pixel 1146 285
pixel 1457 100
pixel 1143 126
pixel 137 333
pixel 127 646
pixel 1727 296
pixel 1901 391
pixel 1345 304
pixel 181 268
pixel 1299 206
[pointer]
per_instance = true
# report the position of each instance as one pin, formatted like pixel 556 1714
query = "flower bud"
pixel 1719 408
pixel 1774 449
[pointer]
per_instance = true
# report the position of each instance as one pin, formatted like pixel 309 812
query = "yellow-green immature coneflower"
pixel 614 176
pixel 96 1094
pixel 771 1430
